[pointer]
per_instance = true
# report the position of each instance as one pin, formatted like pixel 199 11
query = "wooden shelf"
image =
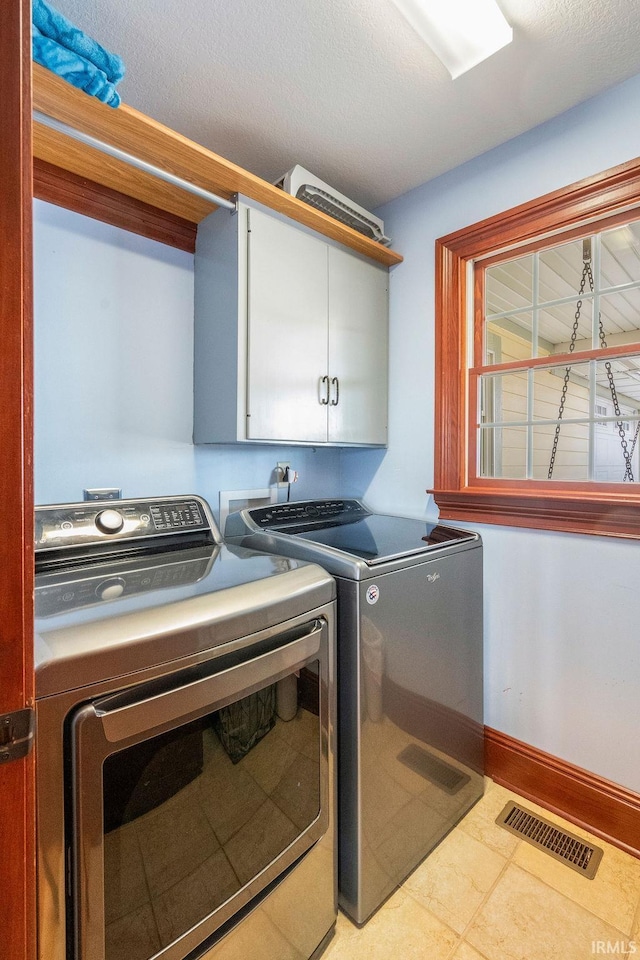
pixel 139 135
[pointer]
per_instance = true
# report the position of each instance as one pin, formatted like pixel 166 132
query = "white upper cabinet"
pixel 358 349
pixel 291 335
pixel 287 304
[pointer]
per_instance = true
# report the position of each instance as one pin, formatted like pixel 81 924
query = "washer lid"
pixel 344 536
pixel 377 538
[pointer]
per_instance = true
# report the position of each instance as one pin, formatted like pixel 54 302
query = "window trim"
pixel 607 510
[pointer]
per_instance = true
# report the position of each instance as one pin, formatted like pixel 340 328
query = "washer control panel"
pixel 96 522
pixel 309 511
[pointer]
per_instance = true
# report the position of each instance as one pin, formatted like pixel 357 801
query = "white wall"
pixel 562 621
pixel 114 374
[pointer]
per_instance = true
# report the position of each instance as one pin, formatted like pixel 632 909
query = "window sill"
pixel 608 515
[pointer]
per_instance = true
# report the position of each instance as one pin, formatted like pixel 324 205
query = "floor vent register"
pixel 560 844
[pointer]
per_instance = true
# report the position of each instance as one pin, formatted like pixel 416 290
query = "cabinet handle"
pixel 334 380
pixel 324 400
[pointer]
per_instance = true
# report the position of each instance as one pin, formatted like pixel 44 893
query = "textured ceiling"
pixel 346 88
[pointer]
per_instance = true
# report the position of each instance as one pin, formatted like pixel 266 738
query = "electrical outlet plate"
pixel 281 468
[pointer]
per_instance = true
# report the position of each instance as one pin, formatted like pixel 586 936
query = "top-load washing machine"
pixel 410 722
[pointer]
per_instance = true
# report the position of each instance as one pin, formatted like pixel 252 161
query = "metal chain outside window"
pixel 587 275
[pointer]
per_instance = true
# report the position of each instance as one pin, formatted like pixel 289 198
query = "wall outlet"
pixel 103 493
pixel 281 468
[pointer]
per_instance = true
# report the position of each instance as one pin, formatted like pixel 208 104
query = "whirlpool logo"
pixel 432 577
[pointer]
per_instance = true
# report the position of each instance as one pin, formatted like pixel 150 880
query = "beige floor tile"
pixel 453 881
pixel 612 895
pixel 524 919
pixel 466 952
pixel 635 929
pixel 400 930
pixel 480 821
pixel 345 941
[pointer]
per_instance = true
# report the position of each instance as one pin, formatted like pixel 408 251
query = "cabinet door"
pixel 358 349
pixel 287 304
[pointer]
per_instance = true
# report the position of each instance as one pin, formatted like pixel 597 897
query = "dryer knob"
pixel 109 521
pixel 110 589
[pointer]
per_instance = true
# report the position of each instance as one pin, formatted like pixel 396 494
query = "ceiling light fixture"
pixel 461 33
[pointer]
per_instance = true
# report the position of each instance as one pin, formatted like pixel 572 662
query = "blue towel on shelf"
pixel 73 68
pixel 54 25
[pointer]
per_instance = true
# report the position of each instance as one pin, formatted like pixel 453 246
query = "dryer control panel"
pixel 94 523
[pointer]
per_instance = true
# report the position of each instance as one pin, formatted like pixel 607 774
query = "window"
pixel 538 362
pixel 555 381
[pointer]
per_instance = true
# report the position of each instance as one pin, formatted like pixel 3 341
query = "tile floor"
pixel 483 894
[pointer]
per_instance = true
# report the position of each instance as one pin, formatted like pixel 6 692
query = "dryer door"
pixel 191 795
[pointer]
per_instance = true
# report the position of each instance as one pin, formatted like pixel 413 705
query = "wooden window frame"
pixel 603 509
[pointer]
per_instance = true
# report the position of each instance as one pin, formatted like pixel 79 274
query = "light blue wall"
pixel 113 407
pixel 562 621
pixel 114 374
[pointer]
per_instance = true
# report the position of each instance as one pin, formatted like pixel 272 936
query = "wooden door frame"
pixel 17 790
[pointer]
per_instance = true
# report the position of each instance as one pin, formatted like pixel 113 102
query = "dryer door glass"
pixel 193 815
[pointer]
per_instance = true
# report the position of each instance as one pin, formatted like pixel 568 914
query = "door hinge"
pixel 17 731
